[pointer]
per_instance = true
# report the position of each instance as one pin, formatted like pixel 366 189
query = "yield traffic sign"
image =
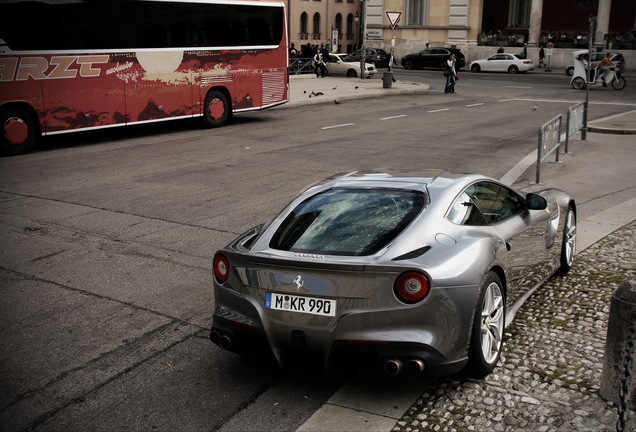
pixel 394 17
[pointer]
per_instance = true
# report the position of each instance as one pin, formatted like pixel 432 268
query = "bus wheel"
pixel 216 109
pixel 18 133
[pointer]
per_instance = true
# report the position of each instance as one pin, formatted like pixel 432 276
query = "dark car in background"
pixel 376 56
pixel 433 57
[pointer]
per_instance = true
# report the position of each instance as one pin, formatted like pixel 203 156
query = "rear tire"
pixel 578 83
pixel 18 131
pixel 486 341
pixel 619 83
pixel 568 248
pixel 513 69
pixel 216 110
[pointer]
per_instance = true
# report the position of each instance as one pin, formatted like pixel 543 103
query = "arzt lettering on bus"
pixel 62 67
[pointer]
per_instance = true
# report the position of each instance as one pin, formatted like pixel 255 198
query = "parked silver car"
pixel 403 271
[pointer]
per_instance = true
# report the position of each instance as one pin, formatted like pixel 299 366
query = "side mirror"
pixel 536 202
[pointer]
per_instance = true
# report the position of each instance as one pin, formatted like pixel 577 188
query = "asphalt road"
pixel 108 238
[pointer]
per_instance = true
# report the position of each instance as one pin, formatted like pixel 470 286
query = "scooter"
pixel 579 78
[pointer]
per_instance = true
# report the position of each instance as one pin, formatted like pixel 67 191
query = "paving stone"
pixel 550 372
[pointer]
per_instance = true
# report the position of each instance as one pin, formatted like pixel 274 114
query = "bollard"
pixel 620 332
pixel 387 79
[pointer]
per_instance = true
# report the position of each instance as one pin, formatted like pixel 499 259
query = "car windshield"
pixel 346 58
pixel 348 221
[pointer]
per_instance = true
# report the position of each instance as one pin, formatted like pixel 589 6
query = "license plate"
pixel 294 303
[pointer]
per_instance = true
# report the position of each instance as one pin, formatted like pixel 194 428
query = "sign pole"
pixel 364 37
pixel 394 18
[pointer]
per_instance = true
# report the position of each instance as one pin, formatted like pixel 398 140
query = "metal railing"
pixel 549 142
pixel 574 122
pixel 301 66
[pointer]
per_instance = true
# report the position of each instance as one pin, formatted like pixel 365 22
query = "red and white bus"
pixel 71 65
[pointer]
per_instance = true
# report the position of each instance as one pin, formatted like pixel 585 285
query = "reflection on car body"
pixel 402 271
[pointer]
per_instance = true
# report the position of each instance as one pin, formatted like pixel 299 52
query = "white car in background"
pixel 502 63
pixel 344 64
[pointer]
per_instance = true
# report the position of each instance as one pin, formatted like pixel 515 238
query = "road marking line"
pixel 474 105
pixel 337 126
pixel 518 87
pixel 393 117
pixel 568 101
pixel 439 110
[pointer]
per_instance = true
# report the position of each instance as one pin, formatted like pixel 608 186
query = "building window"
pixel 520 13
pixel 316 31
pixel 304 34
pixel 339 25
pixel 350 27
pixel 415 12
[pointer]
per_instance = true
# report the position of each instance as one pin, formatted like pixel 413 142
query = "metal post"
pixel 587 87
pixel 364 36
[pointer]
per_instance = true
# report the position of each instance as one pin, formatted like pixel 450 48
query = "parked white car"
pixel 502 63
pixel 344 64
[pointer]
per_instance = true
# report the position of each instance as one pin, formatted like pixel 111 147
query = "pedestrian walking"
pixel 541 57
pixel 319 64
pixel 451 74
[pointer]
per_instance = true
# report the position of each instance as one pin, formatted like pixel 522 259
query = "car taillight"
pixel 221 268
pixel 411 287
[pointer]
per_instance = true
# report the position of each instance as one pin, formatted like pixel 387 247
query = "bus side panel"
pixel 159 96
pixel 161 88
pixel 83 103
pixel 247 93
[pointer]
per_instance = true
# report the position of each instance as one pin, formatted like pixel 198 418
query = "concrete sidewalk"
pixel 385 405
pixel 307 89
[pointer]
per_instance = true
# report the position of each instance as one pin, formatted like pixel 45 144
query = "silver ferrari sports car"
pixel 416 272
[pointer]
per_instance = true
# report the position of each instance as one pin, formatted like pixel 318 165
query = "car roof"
pixel 432 180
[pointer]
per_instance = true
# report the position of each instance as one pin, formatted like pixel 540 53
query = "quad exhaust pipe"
pixel 225 342
pixel 415 366
pixel 220 339
pixel 395 366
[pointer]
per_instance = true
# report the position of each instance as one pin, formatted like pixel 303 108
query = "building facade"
pixel 465 23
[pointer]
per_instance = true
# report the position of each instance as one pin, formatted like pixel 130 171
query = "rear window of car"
pixel 352 222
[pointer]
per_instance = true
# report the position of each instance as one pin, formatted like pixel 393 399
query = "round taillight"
pixel 411 287
pixel 221 268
